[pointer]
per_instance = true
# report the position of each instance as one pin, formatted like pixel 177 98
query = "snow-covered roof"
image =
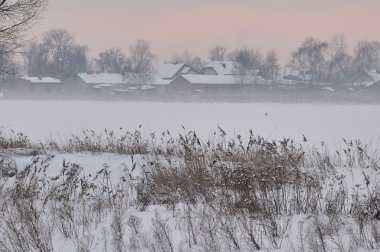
pixel 41 79
pixel 330 89
pixel 211 79
pixel 185 70
pixel 223 67
pixel 374 75
pixel 168 71
pixel 374 83
pixel 101 78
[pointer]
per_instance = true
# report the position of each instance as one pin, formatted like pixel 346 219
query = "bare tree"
pixel 310 59
pixel 16 17
pixel 36 59
pixel 218 53
pixel 247 60
pixel 367 55
pixel 58 42
pixel 188 59
pixel 142 61
pixel 77 60
pixel 112 61
pixel 338 58
pixel 57 55
pixel 271 67
pixel 299 63
pixel 8 67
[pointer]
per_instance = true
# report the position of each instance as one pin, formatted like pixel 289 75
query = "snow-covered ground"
pixel 330 123
pixel 41 120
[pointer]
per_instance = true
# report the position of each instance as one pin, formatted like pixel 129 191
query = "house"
pixel 360 79
pixel 144 90
pixel 221 68
pixel 256 77
pixel 231 68
pixel 109 79
pixel 94 83
pixel 171 71
pixel 207 84
pixel 167 72
pixel 374 86
pixel 364 78
pixel 37 86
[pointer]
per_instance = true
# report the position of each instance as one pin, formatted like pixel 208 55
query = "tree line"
pixel 57 54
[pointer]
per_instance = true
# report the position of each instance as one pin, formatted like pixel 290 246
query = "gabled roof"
pixel 365 78
pixel 41 79
pixel 374 75
pixel 186 70
pixel 223 67
pixel 374 84
pixel 210 79
pixel 101 78
pixel 168 71
pixel 329 89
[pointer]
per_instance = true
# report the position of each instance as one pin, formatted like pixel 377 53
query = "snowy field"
pixel 81 200
pixel 41 120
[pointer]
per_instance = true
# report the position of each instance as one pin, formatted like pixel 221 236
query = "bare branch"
pixel 16 17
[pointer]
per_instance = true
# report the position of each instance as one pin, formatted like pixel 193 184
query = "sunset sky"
pixel 173 26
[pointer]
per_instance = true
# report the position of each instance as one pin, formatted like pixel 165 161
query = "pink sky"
pixel 173 26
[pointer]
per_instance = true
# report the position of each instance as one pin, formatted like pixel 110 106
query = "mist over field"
pixel 329 123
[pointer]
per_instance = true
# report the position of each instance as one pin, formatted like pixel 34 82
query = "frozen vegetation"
pixel 127 191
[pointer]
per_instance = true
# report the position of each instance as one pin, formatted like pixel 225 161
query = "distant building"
pixel 360 79
pixel 374 86
pixel 94 83
pixel 37 86
pixel 101 78
pixel 221 68
pixel 208 84
pixel 231 68
pixel 169 71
